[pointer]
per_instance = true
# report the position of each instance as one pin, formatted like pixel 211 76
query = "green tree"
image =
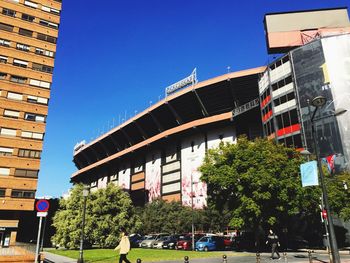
pixel 259 182
pixel 107 210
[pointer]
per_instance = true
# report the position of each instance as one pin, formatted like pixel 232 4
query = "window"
pixel 5 151
pixel 4 171
pixel 38 100
pixel 8 12
pixel 50 10
pixel 26 173
pixel 18 79
pixel 14 96
pixel 38 83
pixel 44 52
pixel 20 63
pixel 28 17
pixel 29 153
pixel 42 68
pixel 6 27
pixel 25 32
pixel 32 135
pixel 2 192
pixel 34 117
pixel 31 4
pixel 3 59
pixel 11 114
pixel 5 43
pixel 46 38
pixel 3 75
pixel 8 132
pixel 48 24
pixel 22 47
pixel 22 194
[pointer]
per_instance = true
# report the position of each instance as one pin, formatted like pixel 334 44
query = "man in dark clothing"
pixel 272 239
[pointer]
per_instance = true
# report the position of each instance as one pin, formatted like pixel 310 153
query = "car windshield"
pixel 151 237
pixel 163 238
pixel 204 239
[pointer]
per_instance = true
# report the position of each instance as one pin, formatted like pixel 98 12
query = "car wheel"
pixel 206 249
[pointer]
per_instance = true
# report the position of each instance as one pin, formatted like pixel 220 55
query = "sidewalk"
pixel 49 258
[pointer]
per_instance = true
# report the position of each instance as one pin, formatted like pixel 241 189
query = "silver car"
pixel 151 239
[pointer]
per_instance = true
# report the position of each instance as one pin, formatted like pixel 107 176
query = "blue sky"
pixel 118 57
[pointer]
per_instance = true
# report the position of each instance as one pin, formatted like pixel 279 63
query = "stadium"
pixel 157 153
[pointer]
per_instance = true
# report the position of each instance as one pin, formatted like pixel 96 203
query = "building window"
pixel 22 47
pixel 11 114
pixel 43 52
pixel 48 24
pixel 29 153
pixel 34 117
pixel 4 171
pixel 38 83
pixel 14 96
pixel 30 4
pixel 18 79
pixel 3 59
pixel 46 38
pixel 20 63
pixel 23 194
pixel 8 12
pixel 25 32
pixel 3 75
pixel 28 17
pixel 26 173
pixel 5 43
pixel 4 151
pixel 50 10
pixel 8 132
pixel 32 135
pixel 2 192
pixel 42 68
pixel 37 100
pixel 6 27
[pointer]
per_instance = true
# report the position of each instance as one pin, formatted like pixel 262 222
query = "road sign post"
pixel 42 206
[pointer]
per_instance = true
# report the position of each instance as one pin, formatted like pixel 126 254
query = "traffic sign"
pixel 42 205
pixel 41 214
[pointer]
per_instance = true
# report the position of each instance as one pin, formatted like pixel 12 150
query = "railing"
pixel 245 107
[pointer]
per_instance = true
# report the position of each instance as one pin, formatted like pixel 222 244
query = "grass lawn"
pixel 147 255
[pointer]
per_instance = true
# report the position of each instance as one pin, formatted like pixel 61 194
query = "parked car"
pixel 229 242
pixel 166 239
pixel 297 242
pixel 207 243
pixel 151 239
pixel 185 242
pixel 135 240
pixel 170 243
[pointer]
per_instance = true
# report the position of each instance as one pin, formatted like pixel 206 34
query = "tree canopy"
pixel 258 182
pixel 107 211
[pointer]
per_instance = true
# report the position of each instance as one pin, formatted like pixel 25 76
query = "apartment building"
pixel 28 37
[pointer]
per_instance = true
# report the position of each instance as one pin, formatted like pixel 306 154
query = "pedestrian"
pixel 272 239
pixel 124 246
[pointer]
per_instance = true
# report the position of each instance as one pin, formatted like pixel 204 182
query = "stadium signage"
pixel 79 145
pixel 191 79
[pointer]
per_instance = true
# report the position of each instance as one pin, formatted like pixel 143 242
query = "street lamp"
pixel 85 195
pixel 318 102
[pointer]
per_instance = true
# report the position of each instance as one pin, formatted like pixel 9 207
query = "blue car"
pixel 208 243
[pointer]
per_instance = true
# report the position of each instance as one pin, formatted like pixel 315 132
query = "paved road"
pixel 292 257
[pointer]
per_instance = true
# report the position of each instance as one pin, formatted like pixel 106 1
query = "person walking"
pixel 124 246
pixel 272 239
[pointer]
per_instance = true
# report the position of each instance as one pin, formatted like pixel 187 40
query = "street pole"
pixel 81 257
pixel 193 245
pixel 38 240
pixel 332 237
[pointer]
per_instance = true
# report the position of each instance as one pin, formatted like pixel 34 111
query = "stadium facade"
pixel 28 36
pixel 157 153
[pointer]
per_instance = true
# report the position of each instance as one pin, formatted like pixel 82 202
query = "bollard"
pixel 186 258
pixel 310 256
pixel 138 260
pixel 257 257
pixel 224 259
pixel 285 257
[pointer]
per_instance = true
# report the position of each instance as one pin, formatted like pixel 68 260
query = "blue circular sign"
pixel 42 205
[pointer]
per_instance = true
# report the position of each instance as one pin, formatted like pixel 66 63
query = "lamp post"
pixel 317 102
pixel 85 194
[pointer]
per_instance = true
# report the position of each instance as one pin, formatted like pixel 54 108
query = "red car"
pixel 185 242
